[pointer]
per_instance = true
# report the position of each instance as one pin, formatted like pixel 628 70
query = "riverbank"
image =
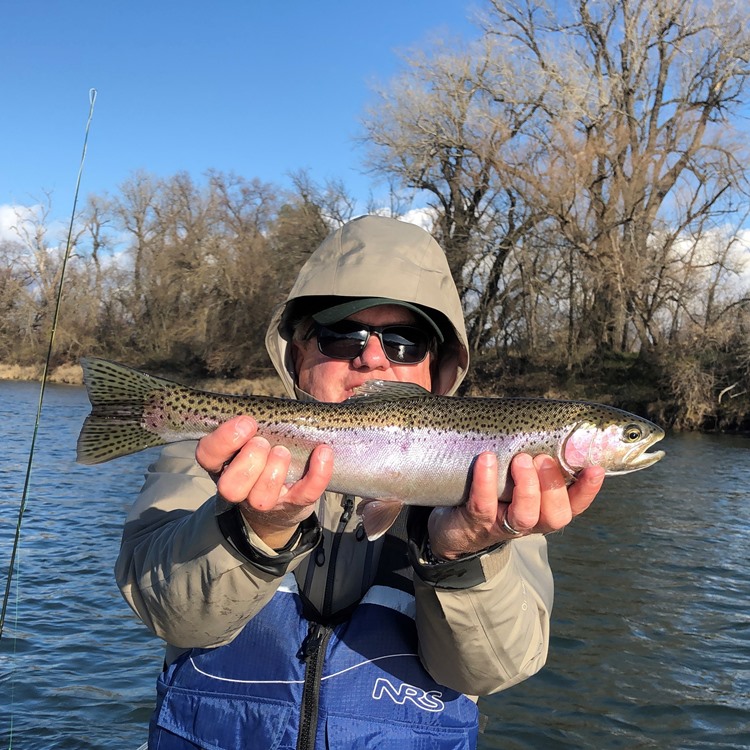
pixel 68 374
pixel 527 384
pixel 73 375
pixel 625 387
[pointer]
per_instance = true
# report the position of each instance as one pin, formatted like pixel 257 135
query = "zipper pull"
pixel 348 510
pixel 312 641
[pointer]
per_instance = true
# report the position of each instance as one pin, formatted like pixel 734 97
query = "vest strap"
pixel 233 528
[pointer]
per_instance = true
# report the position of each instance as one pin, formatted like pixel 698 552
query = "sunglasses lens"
pixel 405 344
pixel 346 340
pixel 340 343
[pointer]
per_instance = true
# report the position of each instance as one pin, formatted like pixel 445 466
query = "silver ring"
pixel 507 527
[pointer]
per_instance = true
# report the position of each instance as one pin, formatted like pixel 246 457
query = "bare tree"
pixel 446 128
pixel 15 308
pixel 576 159
pixel 641 152
pixel 241 283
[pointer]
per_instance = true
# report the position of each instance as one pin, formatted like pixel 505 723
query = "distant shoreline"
pixel 67 374
pixel 73 375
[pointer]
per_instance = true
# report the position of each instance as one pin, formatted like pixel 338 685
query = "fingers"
pixel 585 489
pixel 258 474
pixel 482 502
pixel 261 473
pixel 554 509
pixel 255 464
pixel 542 500
pixel 316 478
pixel 248 469
pixel 524 511
pixel 216 449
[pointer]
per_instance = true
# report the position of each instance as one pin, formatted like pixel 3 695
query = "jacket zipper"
pixel 313 648
pixel 312 652
pixel 331 574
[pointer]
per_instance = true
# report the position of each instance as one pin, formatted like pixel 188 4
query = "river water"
pixel 651 627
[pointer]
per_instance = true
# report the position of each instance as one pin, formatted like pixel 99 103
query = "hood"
pixel 374 256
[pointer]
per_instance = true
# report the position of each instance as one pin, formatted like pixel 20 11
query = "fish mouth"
pixel 644 460
pixel 640 458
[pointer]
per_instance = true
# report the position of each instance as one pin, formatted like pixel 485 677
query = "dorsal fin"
pixel 388 390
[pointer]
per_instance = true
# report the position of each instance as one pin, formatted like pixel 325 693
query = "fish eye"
pixel 632 433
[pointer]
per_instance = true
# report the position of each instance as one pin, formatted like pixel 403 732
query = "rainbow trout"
pixel 393 443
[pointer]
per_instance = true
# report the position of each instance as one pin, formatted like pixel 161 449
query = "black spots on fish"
pixel 109 381
pixel 154 417
pixel 183 407
pixel 102 440
pixel 475 437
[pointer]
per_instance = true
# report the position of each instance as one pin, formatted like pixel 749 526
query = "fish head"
pixel 613 439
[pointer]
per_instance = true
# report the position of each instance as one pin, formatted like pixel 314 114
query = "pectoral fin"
pixel 378 516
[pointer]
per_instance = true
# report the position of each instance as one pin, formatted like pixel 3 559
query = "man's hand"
pixel 251 472
pixel 541 503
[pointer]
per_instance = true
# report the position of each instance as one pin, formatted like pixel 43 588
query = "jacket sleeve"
pixel 494 632
pixel 177 570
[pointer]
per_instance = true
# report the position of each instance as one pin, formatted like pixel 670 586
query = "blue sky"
pixel 257 88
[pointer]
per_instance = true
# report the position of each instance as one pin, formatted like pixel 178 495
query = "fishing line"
pixel 56 315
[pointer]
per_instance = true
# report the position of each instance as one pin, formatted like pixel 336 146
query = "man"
pixel 286 627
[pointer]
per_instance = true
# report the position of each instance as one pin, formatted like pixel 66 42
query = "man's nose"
pixel 373 356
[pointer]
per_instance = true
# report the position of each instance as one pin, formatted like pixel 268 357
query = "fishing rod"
pixel 56 315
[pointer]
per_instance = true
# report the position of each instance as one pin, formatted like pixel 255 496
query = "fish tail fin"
pixel 118 397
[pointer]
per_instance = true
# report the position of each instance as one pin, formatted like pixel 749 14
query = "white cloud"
pixel 14 217
pixel 22 224
pixel 743 258
pixel 422 217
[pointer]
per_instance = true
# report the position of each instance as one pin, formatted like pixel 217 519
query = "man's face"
pixel 335 380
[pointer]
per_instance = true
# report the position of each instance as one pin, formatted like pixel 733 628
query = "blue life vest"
pixel 286 683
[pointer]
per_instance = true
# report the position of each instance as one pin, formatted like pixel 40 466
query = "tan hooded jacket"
pixel 483 621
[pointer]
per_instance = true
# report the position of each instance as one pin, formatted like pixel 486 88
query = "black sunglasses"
pixel 402 344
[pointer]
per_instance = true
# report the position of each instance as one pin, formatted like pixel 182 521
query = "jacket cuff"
pixel 463 573
pixel 308 536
